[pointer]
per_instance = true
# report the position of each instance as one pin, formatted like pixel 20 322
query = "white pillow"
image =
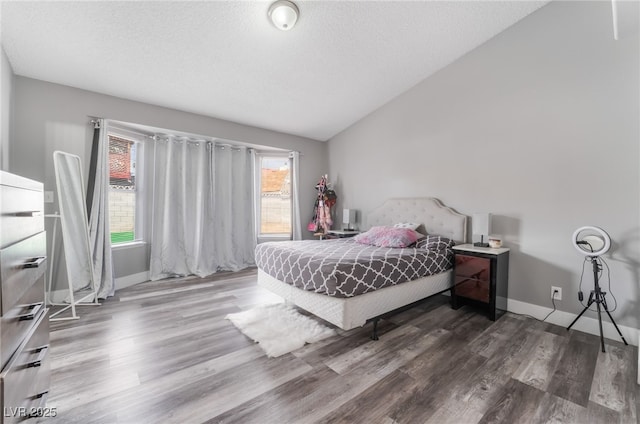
pixel 407 225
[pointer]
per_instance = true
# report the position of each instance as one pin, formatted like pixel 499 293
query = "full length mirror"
pixel 74 223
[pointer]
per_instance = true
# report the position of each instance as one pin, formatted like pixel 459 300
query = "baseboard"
pixel 585 324
pixel 58 296
pixel 131 280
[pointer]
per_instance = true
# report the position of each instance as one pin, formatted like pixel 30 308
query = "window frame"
pixel 260 156
pixel 139 233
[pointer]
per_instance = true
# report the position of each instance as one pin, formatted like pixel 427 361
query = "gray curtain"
pixel 99 232
pixel 202 211
pixel 296 230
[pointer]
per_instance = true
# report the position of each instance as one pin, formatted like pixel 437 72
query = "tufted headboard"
pixel 431 213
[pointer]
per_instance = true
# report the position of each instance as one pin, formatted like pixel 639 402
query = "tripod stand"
pixel 597 296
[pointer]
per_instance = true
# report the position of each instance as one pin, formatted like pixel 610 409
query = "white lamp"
pixel 348 218
pixel 284 14
pixel 481 227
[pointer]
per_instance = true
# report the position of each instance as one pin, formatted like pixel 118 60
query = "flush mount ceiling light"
pixel 284 14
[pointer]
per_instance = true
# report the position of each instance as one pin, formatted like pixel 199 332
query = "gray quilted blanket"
pixel 344 268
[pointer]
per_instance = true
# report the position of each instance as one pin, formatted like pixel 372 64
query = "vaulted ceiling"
pixel 225 59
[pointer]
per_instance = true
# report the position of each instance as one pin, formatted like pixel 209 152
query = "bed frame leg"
pixel 374 333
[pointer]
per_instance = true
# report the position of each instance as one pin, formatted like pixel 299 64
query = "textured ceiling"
pixel 343 59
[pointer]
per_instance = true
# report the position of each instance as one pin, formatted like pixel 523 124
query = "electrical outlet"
pixel 48 197
pixel 556 293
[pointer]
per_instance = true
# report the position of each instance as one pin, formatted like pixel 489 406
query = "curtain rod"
pixel 122 126
pixel 213 142
pixel 117 126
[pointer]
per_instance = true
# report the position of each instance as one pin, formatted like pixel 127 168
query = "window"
pixel 123 196
pixel 274 195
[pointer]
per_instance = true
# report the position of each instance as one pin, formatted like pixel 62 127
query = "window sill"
pixel 278 237
pixel 129 245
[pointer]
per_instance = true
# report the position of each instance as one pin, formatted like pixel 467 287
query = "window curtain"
pixel 202 211
pixel 99 232
pixel 256 194
pixel 296 222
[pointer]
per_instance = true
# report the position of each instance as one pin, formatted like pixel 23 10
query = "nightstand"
pixel 481 278
pixel 343 233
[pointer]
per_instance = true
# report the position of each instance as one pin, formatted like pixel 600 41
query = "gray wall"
pixel 6 74
pixel 49 117
pixel 540 127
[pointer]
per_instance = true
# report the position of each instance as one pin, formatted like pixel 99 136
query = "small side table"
pixel 481 278
pixel 343 233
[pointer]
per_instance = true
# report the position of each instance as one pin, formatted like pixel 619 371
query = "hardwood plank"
pixel 420 309
pixel 538 366
pixel 613 384
pixel 435 384
pixel 344 362
pixel 375 402
pixel 483 385
pixel 155 400
pixel 437 318
pixel 95 384
pixel 454 412
pixel 206 398
pixel 341 344
pixel 518 400
pixel 491 341
pixel 284 404
pixel 607 387
pixel 556 329
pixel 468 324
pixel 574 372
pixel 350 385
pixel 595 413
pixel 162 352
pixel 555 410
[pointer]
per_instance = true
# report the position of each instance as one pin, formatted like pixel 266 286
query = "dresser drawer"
pixel 26 378
pixel 472 267
pixel 21 264
pixel 17 321
pixel 22 214
pixel 472 277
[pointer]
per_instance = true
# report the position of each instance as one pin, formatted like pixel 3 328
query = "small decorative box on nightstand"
pixel 481 278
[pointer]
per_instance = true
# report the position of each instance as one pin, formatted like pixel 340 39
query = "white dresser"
pixel 24 322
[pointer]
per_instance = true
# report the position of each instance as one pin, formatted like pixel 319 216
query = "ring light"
pixel 591 241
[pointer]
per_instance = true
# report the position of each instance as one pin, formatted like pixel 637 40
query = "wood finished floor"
pixel 162 352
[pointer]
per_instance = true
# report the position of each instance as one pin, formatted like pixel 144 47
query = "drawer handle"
pixel 42 352
pixel 34 263
pixel 37 411
pixel 35 310
pixel 29 213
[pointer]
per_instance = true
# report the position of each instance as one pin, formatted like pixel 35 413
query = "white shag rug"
pixel 279 328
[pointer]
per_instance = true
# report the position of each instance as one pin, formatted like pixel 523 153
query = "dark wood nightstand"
pixel 334 234
pixel 343 233
pixel 481 278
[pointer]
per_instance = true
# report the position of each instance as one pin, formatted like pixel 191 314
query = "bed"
pixel 346 309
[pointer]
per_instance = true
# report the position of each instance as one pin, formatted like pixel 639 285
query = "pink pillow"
pixel 388 237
